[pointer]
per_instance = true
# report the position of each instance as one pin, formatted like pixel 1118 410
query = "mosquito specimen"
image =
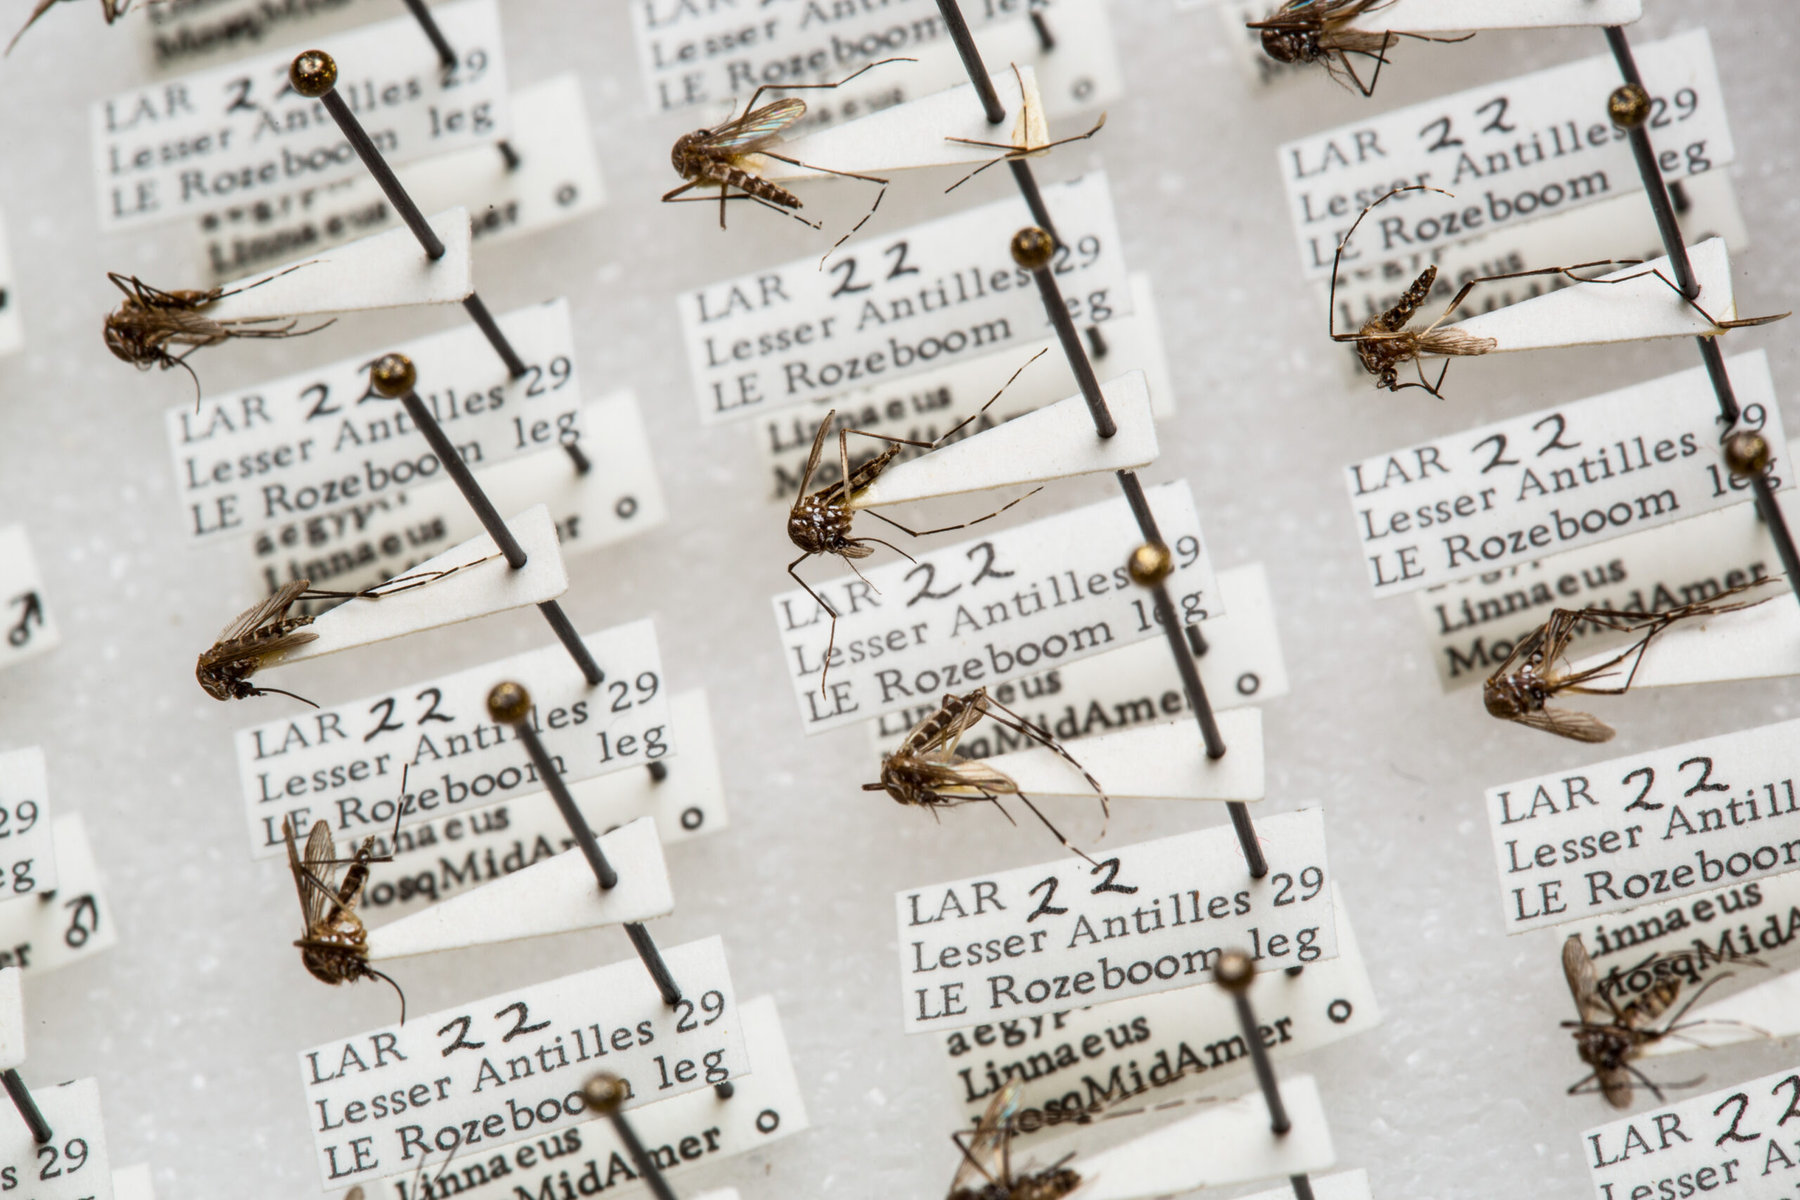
pixel 112 10
pixel 266 630
pixel 334 946
pixel 820 523
pixel 715 157
pixel 149 320
pixel 1318 31
pixel 926 771
pixel 1535 671
pixel 1012 153
pixel 1384 343
pixel 986 1172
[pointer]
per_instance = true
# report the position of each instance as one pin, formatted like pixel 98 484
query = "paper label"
pixel 231 133
pixel 1510 152
pixel 188 33
pixel 1339 1185
pixel 1038 939
pixel 375 540
pixel 931 402
pixel 25 615
pixel 1732 1144
pixel 985 611
pixel 12 329
pixel 1134 685
pixel 1561 479
pixel 438 859
pixel 323 440
pixel 478 1073
pixel 27 847
pixel 685 1132
pixel 50 932
pixel 919 298
pixel 1086 1064
pixel 343 764
pixel 12 1018
pixel 557 180
pixel 73 1164
pixel 1646 828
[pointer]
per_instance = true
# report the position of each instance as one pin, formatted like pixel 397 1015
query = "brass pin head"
pixel 1234 970
pixel 509 703
pixel 1628 106
pixel 605 1094
pixel 1032 248
pixel 313 73
pixel 1150 564
pixel 393 375
pixel 1747 453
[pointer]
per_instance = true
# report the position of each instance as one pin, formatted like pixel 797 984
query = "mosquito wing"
pixel 271 608
pixel 982 1160
pixel 318 879
pixel 259 652
pixel 1584 983
pixel 754 130
pixel 1566 722
pixel 1302 15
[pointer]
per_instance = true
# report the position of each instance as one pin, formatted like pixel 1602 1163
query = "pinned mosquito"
pixel 112 10
pixel 1013 153
pixel 926 771
pixel 1609 1035
pixel 264 632
pixel 1535 672
pixel 716 156
pixel 1384 343
pixel 986 1172
pixel 1318 31
pixel 819 523
pixel 334 946
pixel 149 320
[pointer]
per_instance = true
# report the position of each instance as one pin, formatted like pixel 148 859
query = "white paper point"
pixel 1339 1185
pixel 1222 1144
pixel 133 1183
pixel 1054 442
pixel 388 270
pixel 1457 16
pixel 1166 761
pixel 488 587
pixel 1588 314
pixel 1752 643
pixel 557 895
pixel 12 1018
pixel 916 134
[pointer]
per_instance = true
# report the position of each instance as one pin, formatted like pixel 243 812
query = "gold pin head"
pixel 1233 971
pixel 393 375
pixel 1628 106
pixel 1747 453
pixel 313 73
pixel 509 703
pixel 1150 564
pixel 605 1094
pixel 1032 248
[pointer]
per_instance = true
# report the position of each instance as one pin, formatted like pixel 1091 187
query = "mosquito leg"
pixel 801 87
pixel 260 282
pixel 1003 715
pixel 1067 845
pixel 826 170
pixel 670 195
pixel 954 429
pixel 947 528
pixel 831 636
pixel 269 691
pixel 852 231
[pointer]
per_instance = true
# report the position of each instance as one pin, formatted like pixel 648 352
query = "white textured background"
pixel 192 1022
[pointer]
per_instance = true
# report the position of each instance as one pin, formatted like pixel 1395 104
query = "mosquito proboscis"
pixel 1535 671
pixel 1310 31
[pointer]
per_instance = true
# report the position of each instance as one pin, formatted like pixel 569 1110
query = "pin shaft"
pixel 28 1109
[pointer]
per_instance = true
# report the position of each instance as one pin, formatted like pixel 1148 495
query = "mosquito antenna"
pixel 269 691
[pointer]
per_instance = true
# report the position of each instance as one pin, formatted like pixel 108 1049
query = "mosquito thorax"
pixel 1288 47
pixel 683 153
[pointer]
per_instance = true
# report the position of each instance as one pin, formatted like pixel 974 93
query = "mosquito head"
pixel 125 339
pixel 682 156
pixel 1510 697
pixel 1291 46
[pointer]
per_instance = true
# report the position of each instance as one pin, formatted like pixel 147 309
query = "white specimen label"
pixel 1147 918
pixel 374 540
pixel 1556 480
pixel 1135 684
pixel 49 933
pixel 382 1101
pixel 1648 827
pixel 685 1132
pixel 439 859
pixel 1474 624
pixel 72 1165
pixel 1091 1062
pixel 557 180
pixel 1510 151
pixel 236 132
pixel 984 611
pixel 1339 1185
pixel 24 614
pixel 343 764
pixel 1734 1144
pixel 27 846
pixel 1455 16
pixel 322 440
pixel 12 329
pixel 1714 939
pixel 178 37
pixel 886 308
pixel 446 857
pixel 926 406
